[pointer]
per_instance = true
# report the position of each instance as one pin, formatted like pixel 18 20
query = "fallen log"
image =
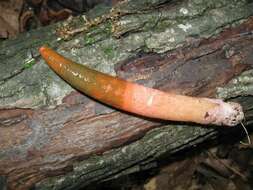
pixel 52 136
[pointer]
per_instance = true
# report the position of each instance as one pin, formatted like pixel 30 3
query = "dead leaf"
pixel 10 11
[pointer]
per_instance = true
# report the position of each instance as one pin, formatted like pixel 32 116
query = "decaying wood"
pixel 81 141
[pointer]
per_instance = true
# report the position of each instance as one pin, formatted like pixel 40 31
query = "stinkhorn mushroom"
pixel 141 100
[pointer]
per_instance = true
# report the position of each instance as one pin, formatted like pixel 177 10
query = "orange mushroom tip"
pixel 141 100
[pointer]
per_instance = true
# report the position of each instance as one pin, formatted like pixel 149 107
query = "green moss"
pixel 98 33
pixel 28 64
pixel 88 40
pixel 108 28
pixel 109 52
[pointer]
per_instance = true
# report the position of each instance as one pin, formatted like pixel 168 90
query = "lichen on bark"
pixel 150 28
pixel 144 28
pixel 239 86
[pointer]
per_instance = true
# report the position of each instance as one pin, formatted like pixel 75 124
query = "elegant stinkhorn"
pixel 141 100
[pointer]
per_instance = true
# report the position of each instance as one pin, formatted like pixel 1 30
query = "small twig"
pixel 235 171
pixel 247 134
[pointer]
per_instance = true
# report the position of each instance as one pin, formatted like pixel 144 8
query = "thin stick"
pixel 235 171
pixel 247 135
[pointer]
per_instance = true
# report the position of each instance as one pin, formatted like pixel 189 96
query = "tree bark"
pixel 53 137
